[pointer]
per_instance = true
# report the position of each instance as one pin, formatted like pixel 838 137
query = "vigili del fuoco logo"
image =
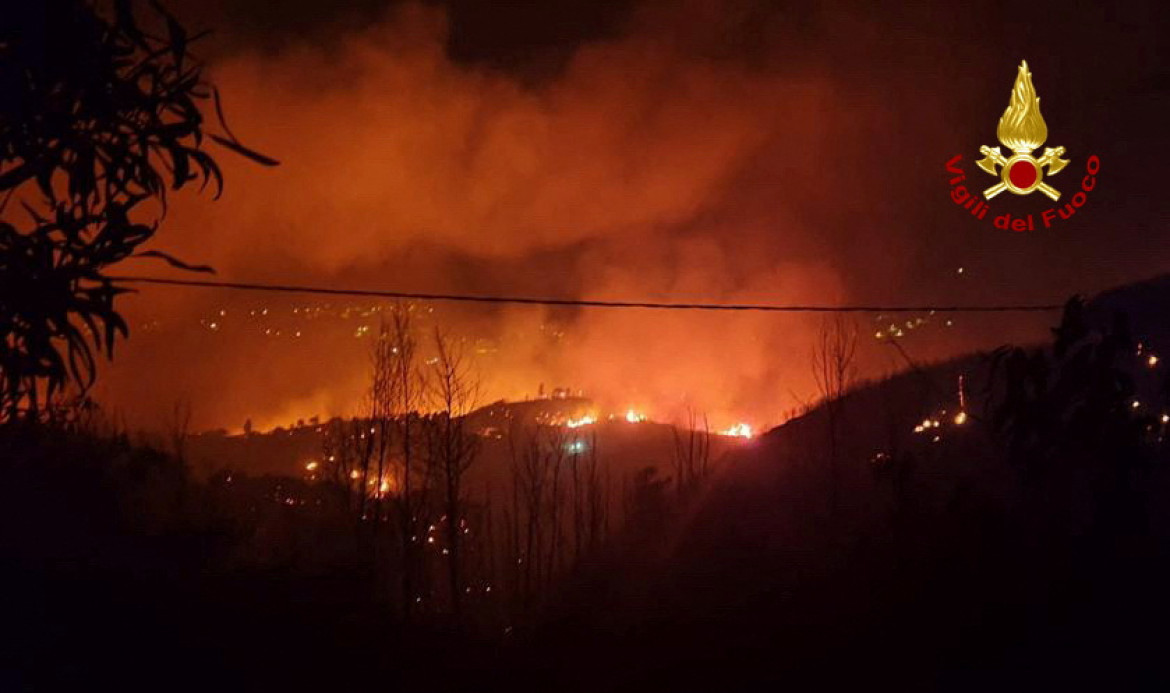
pixel 1022 131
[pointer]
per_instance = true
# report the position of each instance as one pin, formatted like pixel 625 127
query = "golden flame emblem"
pixel 1022 129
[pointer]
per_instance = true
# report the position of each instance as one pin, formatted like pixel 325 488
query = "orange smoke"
pixel 645 170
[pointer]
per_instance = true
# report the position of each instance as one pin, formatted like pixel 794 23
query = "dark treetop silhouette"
pixel 100 115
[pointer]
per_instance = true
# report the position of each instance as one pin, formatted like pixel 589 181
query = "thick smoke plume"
pixel 667 163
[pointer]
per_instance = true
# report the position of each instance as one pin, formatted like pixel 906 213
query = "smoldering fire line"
pixel 978 208
pixel 587 303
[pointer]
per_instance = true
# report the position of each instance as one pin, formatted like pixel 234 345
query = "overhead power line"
pixel 589 303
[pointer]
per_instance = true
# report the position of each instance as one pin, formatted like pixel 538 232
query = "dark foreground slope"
pixel 947 564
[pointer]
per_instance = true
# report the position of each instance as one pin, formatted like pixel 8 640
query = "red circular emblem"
pixel 1023 174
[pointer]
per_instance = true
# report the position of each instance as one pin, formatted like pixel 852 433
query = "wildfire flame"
pixel 739 430
pixel 586 420
pixel 634 417
pixel 1022 128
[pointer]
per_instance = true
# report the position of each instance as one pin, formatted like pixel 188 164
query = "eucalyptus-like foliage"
pixel 99 115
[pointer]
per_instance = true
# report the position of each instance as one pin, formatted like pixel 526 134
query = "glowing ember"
pixel 739 430
pixel 311 466
pixel 928 424
pixel 960 418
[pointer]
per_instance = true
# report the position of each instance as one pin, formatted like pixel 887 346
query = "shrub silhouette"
pixel 1074 416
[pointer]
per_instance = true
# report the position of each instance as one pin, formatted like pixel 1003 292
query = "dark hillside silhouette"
pixel 969 548
pixel 954 564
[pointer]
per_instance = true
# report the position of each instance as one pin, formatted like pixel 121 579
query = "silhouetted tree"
pixel 588 494
pixel 692 454
pixel 832 363
pixel 452 448
pixel 180 430
pixel 403 386
pixel 537 452
pixel 99 115
pixel 342 449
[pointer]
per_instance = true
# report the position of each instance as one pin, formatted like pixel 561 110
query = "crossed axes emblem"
pixel 1022 173
pixel 1022 129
